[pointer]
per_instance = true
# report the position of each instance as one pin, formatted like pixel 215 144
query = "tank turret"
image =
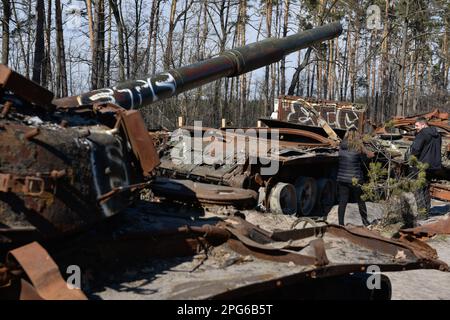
pixel 60 172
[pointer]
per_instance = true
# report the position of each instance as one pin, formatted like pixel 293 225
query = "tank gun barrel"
pixel 137 93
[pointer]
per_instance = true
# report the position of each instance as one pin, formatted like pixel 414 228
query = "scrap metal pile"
pixel 71 170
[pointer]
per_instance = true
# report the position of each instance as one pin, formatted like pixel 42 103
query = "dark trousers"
pixel 345 190
pixel 422 195
pixel 423 199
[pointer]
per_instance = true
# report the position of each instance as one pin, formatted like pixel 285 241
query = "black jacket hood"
pixel 430 131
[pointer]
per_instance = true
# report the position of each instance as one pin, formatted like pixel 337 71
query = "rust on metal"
pixel 435 118
pixel 60 173
pixel 27 185
pixel 44 273
pixel 442 226
pixel 141 143
pixel 25 88
pixel 6 107
pixel 440 191
pixel 30 134
pixel 201 193
pixel 269 248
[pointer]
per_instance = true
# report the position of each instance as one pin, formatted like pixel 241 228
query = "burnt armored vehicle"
pixel 68 163
pixel 307 134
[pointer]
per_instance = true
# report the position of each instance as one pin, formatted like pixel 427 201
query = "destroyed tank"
pixel 70 162
pixel 292 165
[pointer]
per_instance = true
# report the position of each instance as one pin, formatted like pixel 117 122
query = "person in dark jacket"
pixel 427 145
pixel 427 149
pixel 352 155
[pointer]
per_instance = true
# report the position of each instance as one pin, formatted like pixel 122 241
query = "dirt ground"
pixel 424 284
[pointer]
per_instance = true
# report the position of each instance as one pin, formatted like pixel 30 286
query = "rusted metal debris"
pixel 435 118
pixel 104 149
pixel 297 255
pixel 440 191
pixel 62 172
pixel 31 189
pixel 26 89
pixel 46 283
pixel 442 226
pixel 301 156
pixel 141 143
pixel 201 193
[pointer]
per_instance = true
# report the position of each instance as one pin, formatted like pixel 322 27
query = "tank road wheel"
pixel 282 199
pixel 326 195
pixel 306 189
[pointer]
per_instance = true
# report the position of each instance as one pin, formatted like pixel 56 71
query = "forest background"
pixel 393 56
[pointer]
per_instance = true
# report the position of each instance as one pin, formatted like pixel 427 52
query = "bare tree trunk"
pixel 98 46
pixel 267 96
pixel 155 34
pixel 446 52
pixel 308 81
pixel 137 22
pixel 331 77
pixel 348 58
pixel 108 51
pixel 91 26
pixel 243 78
pixel 126 37
pixel 223 9
pixel 39 44
pixel 402 66
pixel 183 34
pixel 418 81
pixel 169 49
pixel 29 35
pixel 61 74
pixel 352 68
pixel 373 89
pixel 5 31
pixel 151 27
pixel 21 43
pixel 415 86
pixel 100 41
pixel 408 84
pixel 46 64
pixel 283 62
pixel 120 35
pixel 319 71
pixel 383 76
pixel 343 71
pixel 296 75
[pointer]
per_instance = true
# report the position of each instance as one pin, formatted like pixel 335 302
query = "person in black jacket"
pixel 352 155
pixel 427 145
pixel 427 149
